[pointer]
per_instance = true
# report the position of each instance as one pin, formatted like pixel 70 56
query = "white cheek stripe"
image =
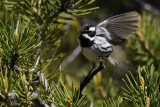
pixel 92 29
pixel 88 37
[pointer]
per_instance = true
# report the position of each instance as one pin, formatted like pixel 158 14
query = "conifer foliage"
pixel 31 33
pixel 30 37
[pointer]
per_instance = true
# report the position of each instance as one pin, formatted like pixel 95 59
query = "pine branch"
pixel 90 76
pixel 143 90
pixel 24 45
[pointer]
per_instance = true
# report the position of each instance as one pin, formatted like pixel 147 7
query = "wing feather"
pixel 119 27
pixel 125 16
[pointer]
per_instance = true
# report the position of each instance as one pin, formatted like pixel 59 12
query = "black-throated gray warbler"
pixel 96 42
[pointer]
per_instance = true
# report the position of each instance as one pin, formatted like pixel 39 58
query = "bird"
pixel 97 42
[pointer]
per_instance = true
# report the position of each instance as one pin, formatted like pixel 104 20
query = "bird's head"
pixel 87 34
pixel 87 28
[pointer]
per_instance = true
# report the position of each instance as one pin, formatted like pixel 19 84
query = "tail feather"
pixel 112 61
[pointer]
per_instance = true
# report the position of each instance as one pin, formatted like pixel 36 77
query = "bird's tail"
pixel 112 61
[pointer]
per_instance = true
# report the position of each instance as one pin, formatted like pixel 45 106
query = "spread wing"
pixel 118 28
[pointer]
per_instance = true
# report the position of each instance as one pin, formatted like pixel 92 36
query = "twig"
pixel 39 103
pixel 90 76
pixel 148 7
pixel 72 56
pixel 14 96
pixel 147 49
pixel 145 46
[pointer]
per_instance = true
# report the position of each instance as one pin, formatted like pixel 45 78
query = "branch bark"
pixel 90 76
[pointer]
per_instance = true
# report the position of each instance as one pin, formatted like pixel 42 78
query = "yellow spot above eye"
pixel 86 30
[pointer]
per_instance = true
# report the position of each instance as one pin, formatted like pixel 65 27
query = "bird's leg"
pixel 101 65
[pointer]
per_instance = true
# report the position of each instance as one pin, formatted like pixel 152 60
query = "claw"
pixel 99 57
pixel 102 63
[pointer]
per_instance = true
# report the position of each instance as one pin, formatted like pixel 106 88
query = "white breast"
pixel 90 53
pixel 100 48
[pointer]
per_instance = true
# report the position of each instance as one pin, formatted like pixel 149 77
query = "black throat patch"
pixel 85 42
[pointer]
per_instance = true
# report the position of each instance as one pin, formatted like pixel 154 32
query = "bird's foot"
pixel 101 62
